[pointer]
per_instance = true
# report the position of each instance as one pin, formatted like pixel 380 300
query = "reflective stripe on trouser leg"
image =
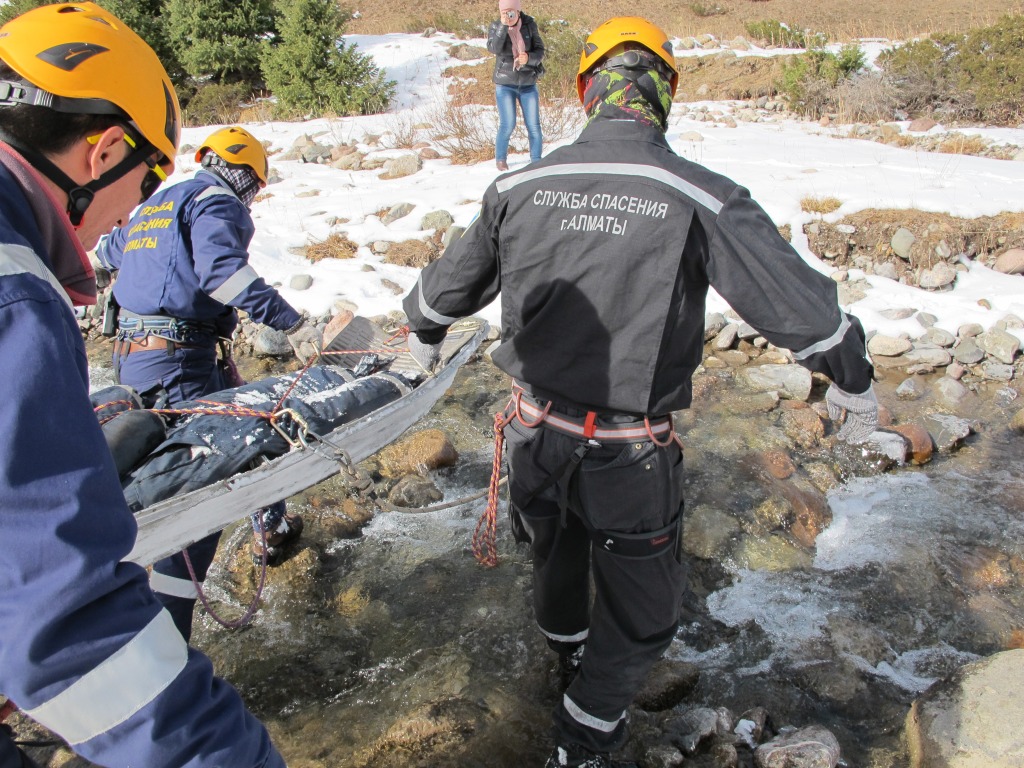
pixel 632 500
pixel 172 571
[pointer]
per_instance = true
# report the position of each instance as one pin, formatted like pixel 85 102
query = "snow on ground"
pixel 779 162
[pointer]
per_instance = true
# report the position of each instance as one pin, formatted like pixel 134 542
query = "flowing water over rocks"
pixel 824 592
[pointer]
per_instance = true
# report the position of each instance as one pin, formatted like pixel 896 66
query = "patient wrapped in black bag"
pixel 228 432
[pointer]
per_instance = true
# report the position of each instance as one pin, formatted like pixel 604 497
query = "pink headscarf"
pixel 514 30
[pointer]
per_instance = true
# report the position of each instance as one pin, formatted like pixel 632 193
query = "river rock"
pixel 968 352
pixel 969 330
pixel 919 442
pixel 414 492
pixel 926 319
pixel 803 427
pixel 733 357
pixel 790 381
pixel 668 683
pixel 1010 262
pixel 778 464
pixel 396 212
pixel 887 445
pixel 419 452
pixel 810 747
pixel 996 371
pixel 300 282
pixel 451 233
pixel 352 161
pixel 897 313
pixel 401 166
pixel 746 332
pixel 750 726
pixel 921 124
pixel 970 720
pixel 1017 422
pixel 662 756
pixel 692 727
pixel 713 323
pixel 999 344
pixel 901 243
pixel 948 432
pixel 709 531
pixel 939 276
pixel 939 337
pixel 924 354
pixel 888 346
pixel 437 220
pixel 271 343
pixel 726 337
pixel 910 389
pixel 950 390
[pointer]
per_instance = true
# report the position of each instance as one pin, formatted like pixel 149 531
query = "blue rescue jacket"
pixel 85 647
pixel 184 254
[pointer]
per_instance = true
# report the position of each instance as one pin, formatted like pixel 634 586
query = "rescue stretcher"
pixel 170 525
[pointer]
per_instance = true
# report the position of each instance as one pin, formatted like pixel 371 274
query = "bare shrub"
pixel 335 246
pixel 464 131
pixel 411 253
pixel 866 98
pixel 961 144
pixel 820 205
pixel 704 10
pixel 399 130
pixel 215 103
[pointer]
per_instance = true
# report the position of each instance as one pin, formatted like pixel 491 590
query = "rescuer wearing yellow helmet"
pixel 603 253
pixel 89 127
pixel 183 271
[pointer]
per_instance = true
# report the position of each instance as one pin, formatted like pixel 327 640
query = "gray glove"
pixel 426 355
pixel 861 413
pixel 103 277
pixel 305 338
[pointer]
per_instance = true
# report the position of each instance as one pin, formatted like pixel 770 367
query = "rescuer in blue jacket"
pixel 182 266
pixel 88 124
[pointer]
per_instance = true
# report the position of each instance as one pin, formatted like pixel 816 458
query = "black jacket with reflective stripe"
pixel 603 253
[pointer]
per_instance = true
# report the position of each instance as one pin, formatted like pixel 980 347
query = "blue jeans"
pixel 529 101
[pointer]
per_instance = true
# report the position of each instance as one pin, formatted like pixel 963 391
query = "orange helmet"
pixel 79 58
pixel 237 146
pixel 613 34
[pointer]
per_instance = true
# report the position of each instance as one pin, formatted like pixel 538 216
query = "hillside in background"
pixel 839 19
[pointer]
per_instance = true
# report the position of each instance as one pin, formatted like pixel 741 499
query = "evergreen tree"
pixel 220 39
pixel 17 7
pixel 312 71
pixel 146 17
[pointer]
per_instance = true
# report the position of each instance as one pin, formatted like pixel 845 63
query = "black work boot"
pixel 287 531
pixel 569 666
pixel 575 756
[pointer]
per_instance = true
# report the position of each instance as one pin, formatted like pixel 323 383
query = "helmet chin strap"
pixel 80 196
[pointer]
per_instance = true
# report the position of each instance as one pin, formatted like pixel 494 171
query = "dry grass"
pixel 841 21
pixel 820 205
pixel 959 144
pixel 336 246
pixel 411 253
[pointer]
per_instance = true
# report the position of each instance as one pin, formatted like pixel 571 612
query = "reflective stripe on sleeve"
pixel 579 637
pixel 646 172
pixel 19 260
pixel 581 717
pixel 120 686
pixel 429 313
pixel 213 192
pixel 169 585
pixel 826 344
pixel 232 288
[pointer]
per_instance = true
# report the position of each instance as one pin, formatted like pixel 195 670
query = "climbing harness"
pixel 530 414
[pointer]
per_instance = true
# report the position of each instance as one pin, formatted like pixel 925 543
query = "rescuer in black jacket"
pixel 603 253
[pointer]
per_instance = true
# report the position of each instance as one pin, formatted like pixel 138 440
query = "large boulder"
pixel 971 719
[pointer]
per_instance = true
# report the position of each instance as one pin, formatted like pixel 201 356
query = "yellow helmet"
pixel 79 58
pixel 237 146
pixel 625 29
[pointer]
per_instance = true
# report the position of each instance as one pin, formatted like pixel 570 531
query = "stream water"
pixel 390 646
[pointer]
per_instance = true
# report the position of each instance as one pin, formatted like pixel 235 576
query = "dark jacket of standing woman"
pixel 499 43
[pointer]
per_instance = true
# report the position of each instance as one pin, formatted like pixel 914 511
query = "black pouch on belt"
pixel 131 436
pixel 110 310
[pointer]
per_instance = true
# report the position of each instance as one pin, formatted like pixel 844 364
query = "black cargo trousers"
pixel 622 523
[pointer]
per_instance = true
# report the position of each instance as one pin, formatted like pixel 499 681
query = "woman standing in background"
pixel 515 41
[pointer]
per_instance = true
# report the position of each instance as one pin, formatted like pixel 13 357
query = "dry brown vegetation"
pixel 820 205
pixel 335 246
pixel 840 20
